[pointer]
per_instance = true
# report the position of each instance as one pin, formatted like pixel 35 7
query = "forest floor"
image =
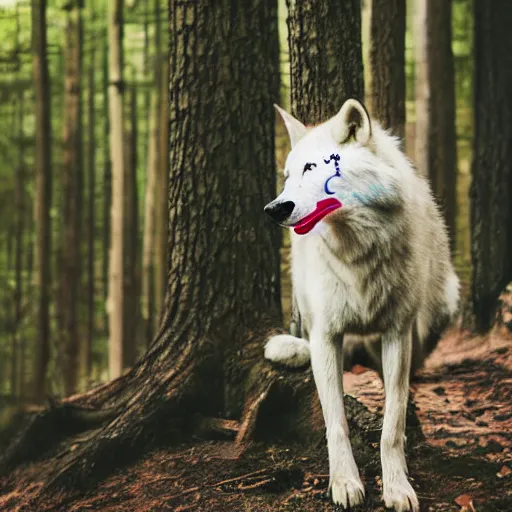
pixel 463 399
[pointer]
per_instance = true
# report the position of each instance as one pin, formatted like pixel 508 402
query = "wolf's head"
pixel 334 168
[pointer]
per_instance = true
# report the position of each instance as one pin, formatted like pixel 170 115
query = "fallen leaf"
pixel 465 501
pixel 504 471
pixel 358 369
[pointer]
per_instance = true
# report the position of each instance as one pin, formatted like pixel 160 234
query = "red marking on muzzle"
pixel 323 208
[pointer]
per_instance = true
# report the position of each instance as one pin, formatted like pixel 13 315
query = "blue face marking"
pixel 337 174
pixel 374 191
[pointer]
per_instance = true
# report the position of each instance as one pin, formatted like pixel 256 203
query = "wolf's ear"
pixel 296 130
pixel 352 122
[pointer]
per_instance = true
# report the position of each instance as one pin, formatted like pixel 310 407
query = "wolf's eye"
pixel 308 167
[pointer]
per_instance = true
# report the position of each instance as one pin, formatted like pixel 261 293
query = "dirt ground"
pixel 463 399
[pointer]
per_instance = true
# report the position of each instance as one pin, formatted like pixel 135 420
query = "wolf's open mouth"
pixel 323 208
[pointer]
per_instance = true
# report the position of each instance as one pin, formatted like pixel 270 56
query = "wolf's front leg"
pixel 396 361
pixel 327 362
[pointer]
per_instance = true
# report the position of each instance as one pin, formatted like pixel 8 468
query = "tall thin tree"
pixel 43 193
pixel 132 270
pixel 19 193
pixel 150 203
pixel 491 208
pixel 116 285
pixel 107 182
pixel 72 198
pixel 91 217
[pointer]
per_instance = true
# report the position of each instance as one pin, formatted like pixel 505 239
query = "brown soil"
pixel 463 399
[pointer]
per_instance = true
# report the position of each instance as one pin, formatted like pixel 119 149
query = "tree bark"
pixel 387 63
pixel 325 57
pixel 91 219
pixel 43 194
pixel 436 142
pixel 116 285
pixel 491 209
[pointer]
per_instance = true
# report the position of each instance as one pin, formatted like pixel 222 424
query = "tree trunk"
pixel 43 194
pixel 131 292
pixel 148 301
pixel 436 142
pixel 107 184
pixel 387 63
pixel 326 66
pixel 325 57
pixel 20 229
pixel 72 184
pixel 91 220
pixel 17 377
pixel 491 209
pixel 147 93
pixel 162 196
pixel 116 285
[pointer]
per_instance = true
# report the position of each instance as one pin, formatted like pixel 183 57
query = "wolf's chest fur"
pixel 357 289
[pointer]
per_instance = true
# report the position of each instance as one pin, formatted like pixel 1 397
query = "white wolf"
pixel 370 256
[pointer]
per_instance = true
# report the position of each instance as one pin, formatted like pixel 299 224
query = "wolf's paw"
pixel 400 496
pixel 288 350
pixel 346 491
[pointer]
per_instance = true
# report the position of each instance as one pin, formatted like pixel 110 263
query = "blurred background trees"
pixel 84 174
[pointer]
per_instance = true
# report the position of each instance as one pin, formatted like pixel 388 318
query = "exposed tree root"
pixel 46 428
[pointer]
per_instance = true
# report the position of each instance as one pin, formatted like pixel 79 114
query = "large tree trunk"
pixel 436 144
pixel 72 185
pixel 116 285
pixel 387 63
pixel 42 195
pixel 491 208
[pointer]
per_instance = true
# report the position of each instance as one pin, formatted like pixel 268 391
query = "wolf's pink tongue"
pixel 323 208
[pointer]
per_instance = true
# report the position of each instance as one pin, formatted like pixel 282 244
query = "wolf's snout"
pixel 280 210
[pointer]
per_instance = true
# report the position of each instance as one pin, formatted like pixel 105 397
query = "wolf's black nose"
pixel 280 211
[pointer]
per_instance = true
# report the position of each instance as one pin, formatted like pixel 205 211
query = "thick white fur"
pixel 329 289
